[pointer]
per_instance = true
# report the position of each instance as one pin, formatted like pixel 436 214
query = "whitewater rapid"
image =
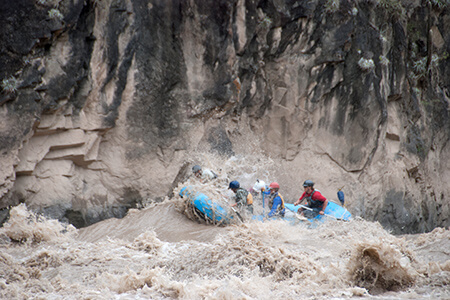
pixel 174 257
pixel 163 252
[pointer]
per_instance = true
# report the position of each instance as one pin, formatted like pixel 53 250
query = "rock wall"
pixel 104 102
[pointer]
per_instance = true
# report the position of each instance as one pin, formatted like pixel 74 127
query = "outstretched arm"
pixel 298 201
pixel 325 203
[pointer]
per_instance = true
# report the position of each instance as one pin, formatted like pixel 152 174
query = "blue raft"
pixel 211 210
pixel 217 214
pixel 332 210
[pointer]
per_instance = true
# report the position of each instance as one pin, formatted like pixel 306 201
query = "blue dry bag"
pixel 340 195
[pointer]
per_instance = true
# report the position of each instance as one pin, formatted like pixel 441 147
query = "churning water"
pixel 165 252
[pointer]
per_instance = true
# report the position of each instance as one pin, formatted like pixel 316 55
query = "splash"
pixel 381 267
pixel 26 227
pixel 252 260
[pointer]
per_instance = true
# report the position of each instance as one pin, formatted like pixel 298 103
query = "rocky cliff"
pixel 104 103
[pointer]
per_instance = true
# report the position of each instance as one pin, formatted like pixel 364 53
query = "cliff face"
pixel 102 102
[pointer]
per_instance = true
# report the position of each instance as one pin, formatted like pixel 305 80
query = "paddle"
pixel 238 214
pixel 262 193
pixel 308 208
pixel 232 208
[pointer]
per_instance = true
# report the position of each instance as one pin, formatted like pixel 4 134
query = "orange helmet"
pixel 274 185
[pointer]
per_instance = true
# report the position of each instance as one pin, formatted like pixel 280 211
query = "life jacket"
pixel 249 199
pixel 313 203
pixel 243 197
pixel 272 197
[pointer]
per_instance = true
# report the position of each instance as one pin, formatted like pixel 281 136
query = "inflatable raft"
pixel 219 215
pixel 209 209
pixel 333 210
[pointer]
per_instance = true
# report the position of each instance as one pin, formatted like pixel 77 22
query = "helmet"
pixel 274 185
pixel 196 168
pixel 259 185
pixel 308 183
pixel 234 185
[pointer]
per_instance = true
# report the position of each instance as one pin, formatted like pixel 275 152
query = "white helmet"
pixel 259 185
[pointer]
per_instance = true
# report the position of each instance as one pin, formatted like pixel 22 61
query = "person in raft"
pixel 276 201
pixel 260 187
pixel 315 201
pixel 203 175
pixel 243 198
